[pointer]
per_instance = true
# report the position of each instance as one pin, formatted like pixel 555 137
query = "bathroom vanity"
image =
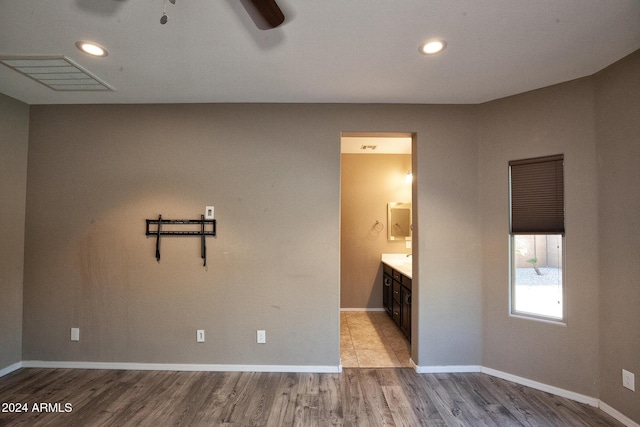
pixel 396 289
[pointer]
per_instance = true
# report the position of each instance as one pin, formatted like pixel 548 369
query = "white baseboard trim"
pixel 445 369
pixel 180 367
pixel 361 309
pixel 618 415
pixel 588 400
pixel 10 368
pixel 591 401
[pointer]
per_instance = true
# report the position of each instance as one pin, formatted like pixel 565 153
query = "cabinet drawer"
pixel 397 276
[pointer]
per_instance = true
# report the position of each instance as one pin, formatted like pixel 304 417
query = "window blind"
pixel 537 195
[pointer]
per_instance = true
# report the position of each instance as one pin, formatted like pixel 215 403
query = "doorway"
pixel 375 171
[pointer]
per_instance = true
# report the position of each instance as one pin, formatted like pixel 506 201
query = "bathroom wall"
pixel 14 134
pixel 369 183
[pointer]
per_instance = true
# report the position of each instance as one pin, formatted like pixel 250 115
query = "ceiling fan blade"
pixel 266 14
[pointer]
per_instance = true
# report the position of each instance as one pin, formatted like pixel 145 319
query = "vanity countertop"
pixel 399 262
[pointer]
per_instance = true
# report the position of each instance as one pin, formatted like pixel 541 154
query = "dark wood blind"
pixel 537 195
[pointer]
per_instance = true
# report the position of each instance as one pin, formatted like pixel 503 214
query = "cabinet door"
pixel 396 312
pixel 405 312
pixel 387 293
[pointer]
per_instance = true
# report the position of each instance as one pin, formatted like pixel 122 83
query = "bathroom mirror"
pixel 399 221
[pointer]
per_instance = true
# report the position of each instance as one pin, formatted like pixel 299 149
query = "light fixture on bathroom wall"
pixel 409 177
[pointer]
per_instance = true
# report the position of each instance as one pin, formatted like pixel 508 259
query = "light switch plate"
pixel 208 212
pixel 75 334
pixel 200 335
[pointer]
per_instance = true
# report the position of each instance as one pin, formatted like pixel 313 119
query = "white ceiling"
pixel 337 51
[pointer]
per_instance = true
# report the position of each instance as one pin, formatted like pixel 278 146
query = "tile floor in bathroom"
pixel 370 339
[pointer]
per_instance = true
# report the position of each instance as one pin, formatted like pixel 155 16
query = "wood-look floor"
pixel 363 397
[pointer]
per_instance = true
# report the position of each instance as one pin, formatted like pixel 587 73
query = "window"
pixel 536 195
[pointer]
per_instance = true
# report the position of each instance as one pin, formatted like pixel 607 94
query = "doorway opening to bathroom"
pixel 375 178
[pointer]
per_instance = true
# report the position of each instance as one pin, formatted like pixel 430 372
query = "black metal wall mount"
pixel 176 227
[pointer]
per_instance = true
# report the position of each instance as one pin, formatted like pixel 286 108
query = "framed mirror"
pixel 399 221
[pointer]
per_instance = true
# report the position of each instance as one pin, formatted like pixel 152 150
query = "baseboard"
pixel 588 400
pixel 445 369
pixel 10 368
pixel 618 415
pixel 591 401
pixel 362 309
pixel 179 367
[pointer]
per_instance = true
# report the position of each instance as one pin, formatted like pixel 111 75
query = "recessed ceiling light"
pixel 91 48
pixel 432 47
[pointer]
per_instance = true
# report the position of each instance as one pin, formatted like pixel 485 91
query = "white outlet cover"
pixel 628 380
pixel 261 337
pixel 75 334
pixel 209 212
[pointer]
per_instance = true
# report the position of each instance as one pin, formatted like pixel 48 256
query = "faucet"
pixel 408 255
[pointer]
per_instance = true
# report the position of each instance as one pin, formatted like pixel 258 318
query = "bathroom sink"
pixel 399 262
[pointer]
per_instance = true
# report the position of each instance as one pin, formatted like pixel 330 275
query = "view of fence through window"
pixel 537 275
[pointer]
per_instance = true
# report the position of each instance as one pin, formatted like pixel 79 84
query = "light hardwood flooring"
pixel 370 339
pixel 355 397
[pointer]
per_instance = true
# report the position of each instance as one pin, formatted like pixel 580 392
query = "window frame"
pixel 557 229
pixel 512 284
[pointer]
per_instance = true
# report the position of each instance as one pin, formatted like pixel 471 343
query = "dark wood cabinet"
pixel 396 298
pixel 387 293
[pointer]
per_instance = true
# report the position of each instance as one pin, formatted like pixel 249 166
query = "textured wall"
pixel 97 172
pixel 550 121
pixel 273 174
pixel 618 130
pixel 14 133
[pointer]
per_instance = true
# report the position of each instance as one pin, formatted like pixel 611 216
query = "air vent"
pixel 55 72
pixel 368 147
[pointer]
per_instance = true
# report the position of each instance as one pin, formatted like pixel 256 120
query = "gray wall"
pixel 447 245
pixel 14 135
pixel 553 120
pixel 368 183
pixel 273 174
pixel 618 130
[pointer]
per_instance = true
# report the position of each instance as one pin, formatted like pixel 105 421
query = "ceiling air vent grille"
pixel 55 72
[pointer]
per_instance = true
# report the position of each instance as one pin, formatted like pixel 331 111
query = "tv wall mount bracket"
pixel 182 227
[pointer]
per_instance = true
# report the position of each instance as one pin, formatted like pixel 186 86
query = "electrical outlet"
pixel 208 212
pixel 262 337
pixel 200 335
pixel 628 380
pixel 75 334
